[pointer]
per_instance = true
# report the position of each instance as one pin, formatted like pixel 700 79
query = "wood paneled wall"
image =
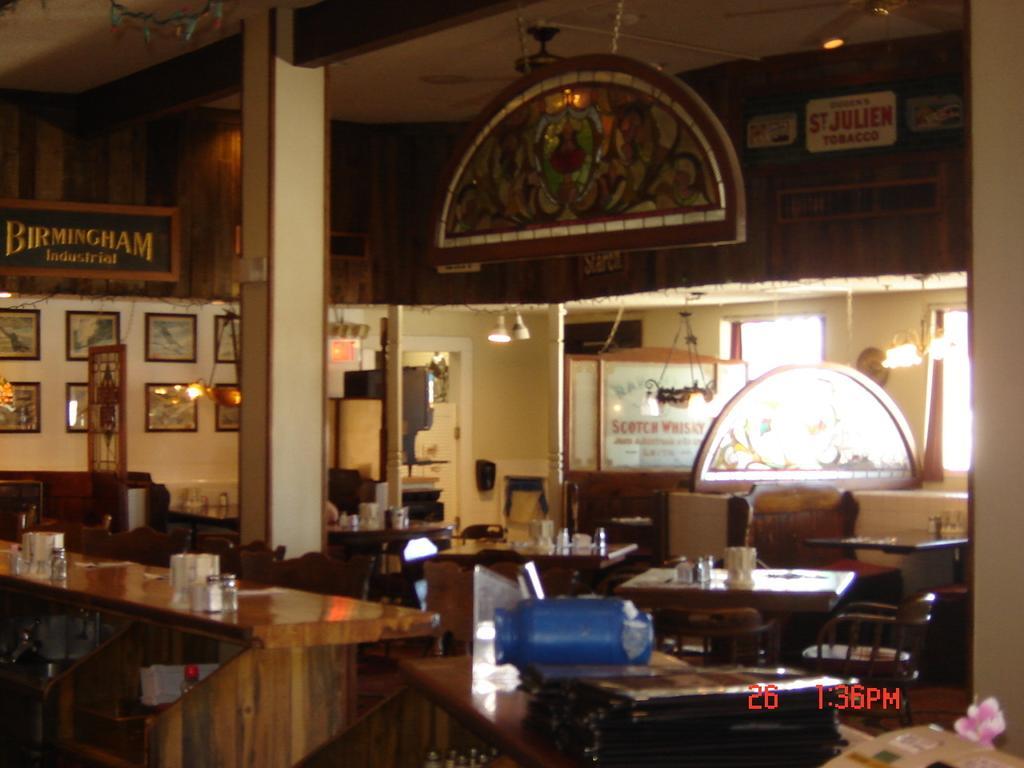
pixel 383 182
pixel 395 169
pixel 190 161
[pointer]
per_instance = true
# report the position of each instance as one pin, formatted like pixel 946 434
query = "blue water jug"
pixel 573 630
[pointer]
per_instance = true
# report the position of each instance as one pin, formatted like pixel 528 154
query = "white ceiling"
pixel 67 46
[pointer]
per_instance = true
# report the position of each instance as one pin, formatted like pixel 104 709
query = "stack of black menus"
pixel 671 716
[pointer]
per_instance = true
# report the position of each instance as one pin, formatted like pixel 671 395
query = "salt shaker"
pixel 229 591
pixel 601 539
pixel 58 564
pixel 684 572
pixel 214 593
pixel 704 566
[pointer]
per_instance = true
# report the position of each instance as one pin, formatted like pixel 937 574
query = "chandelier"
pixel 909 348
pixel 228 396
pixel 680 397
pixel 6 393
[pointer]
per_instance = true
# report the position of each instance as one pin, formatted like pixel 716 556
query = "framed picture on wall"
pixel 170 338
pixel 228 416
pixel 90 329
pixel 76 407
pixel 23 414
pixel 19 334
pixel 170 409
pixel 227 338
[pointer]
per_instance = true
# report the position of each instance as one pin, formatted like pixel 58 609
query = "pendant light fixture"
pixel 681 397
pixel 499 334
pixel 909 347
pixel 519 330
pixel 224 395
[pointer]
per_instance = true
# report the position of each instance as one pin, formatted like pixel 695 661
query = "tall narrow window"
pixel 767 344
pixel 957 416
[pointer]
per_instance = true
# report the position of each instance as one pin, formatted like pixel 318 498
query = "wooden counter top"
pixel 277 618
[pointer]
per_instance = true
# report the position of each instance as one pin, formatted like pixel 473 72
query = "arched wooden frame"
pixel 708 479
pixel 716 215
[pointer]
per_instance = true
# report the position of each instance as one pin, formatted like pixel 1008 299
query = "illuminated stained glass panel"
pixel 807 423
pixel 595 153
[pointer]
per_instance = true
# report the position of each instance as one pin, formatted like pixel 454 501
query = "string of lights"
pixel 182 23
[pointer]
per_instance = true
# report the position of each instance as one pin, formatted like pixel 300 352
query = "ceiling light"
pixel 832 43
pixel 681 397
pixel 909 348
pixel 499 334
pixel 519 330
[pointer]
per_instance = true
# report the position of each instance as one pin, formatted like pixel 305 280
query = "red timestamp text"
pixel 842 696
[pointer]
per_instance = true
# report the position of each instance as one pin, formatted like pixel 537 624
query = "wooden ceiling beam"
pixel 334 30
pixel 209 73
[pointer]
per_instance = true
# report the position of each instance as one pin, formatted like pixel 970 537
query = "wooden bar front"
pixel 285 683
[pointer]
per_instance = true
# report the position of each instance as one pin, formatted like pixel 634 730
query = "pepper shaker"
pixel 58 565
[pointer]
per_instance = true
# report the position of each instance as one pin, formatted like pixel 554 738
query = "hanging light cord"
pixel 612 332
pixel 522 38
pixel 617 28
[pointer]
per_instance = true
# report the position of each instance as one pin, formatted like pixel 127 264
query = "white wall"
pixel 168 457
pixel 876 317
pixel 509 394
pixel 998 274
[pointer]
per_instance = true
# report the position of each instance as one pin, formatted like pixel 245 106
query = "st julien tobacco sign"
pixel 123 242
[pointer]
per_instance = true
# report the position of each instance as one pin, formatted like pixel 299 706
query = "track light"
pixel 519 330
pixel 499 334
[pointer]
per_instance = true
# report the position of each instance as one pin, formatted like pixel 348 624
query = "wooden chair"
pixel 780 519
pixel 313 572
pixel 450 596
pixel 73 532
pixel 483 531
pixel 231 554
pixel 140 545
pixel 562 582
pixel 725 636
pixel 879 644
pixel 12 524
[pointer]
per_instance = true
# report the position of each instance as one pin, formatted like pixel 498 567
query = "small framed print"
pixel 228 416
pixel 90 329
pixel 170 338
pixel 23 414
pixel 227 338
pixel 170 409
pixel 19 334
pixel 76 408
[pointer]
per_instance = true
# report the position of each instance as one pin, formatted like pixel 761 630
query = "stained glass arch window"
pixel 594 153
pixel 803 423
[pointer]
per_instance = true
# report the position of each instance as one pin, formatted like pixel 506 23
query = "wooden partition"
pixel 285 681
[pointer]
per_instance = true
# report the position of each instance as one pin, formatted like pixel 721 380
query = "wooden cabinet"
pixel 284 684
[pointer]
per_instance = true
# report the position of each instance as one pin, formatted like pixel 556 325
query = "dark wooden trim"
pixel 210 73
pixel 333 30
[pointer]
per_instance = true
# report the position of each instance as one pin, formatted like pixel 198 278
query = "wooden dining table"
pixel 590 559
pixel 774 590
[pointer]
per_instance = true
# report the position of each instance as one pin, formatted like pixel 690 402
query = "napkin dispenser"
pixel 191 568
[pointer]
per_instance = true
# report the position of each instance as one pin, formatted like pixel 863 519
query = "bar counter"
pixel 284 682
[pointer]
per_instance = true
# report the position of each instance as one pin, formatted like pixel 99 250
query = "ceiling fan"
pixel 943 15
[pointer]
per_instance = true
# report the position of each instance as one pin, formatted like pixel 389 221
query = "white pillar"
pixel 284 226
pixel 556 386
pixel 996 113
pixel 393 416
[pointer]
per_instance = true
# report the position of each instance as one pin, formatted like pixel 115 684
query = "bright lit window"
pixel 767 344
pixel 957 416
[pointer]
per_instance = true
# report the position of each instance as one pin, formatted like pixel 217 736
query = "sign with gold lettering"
pixel 123 242
pixel 855 121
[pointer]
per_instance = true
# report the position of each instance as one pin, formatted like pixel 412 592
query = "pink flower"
pixel 984 722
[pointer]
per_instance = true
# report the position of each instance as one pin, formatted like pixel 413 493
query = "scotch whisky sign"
pixel 119 242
